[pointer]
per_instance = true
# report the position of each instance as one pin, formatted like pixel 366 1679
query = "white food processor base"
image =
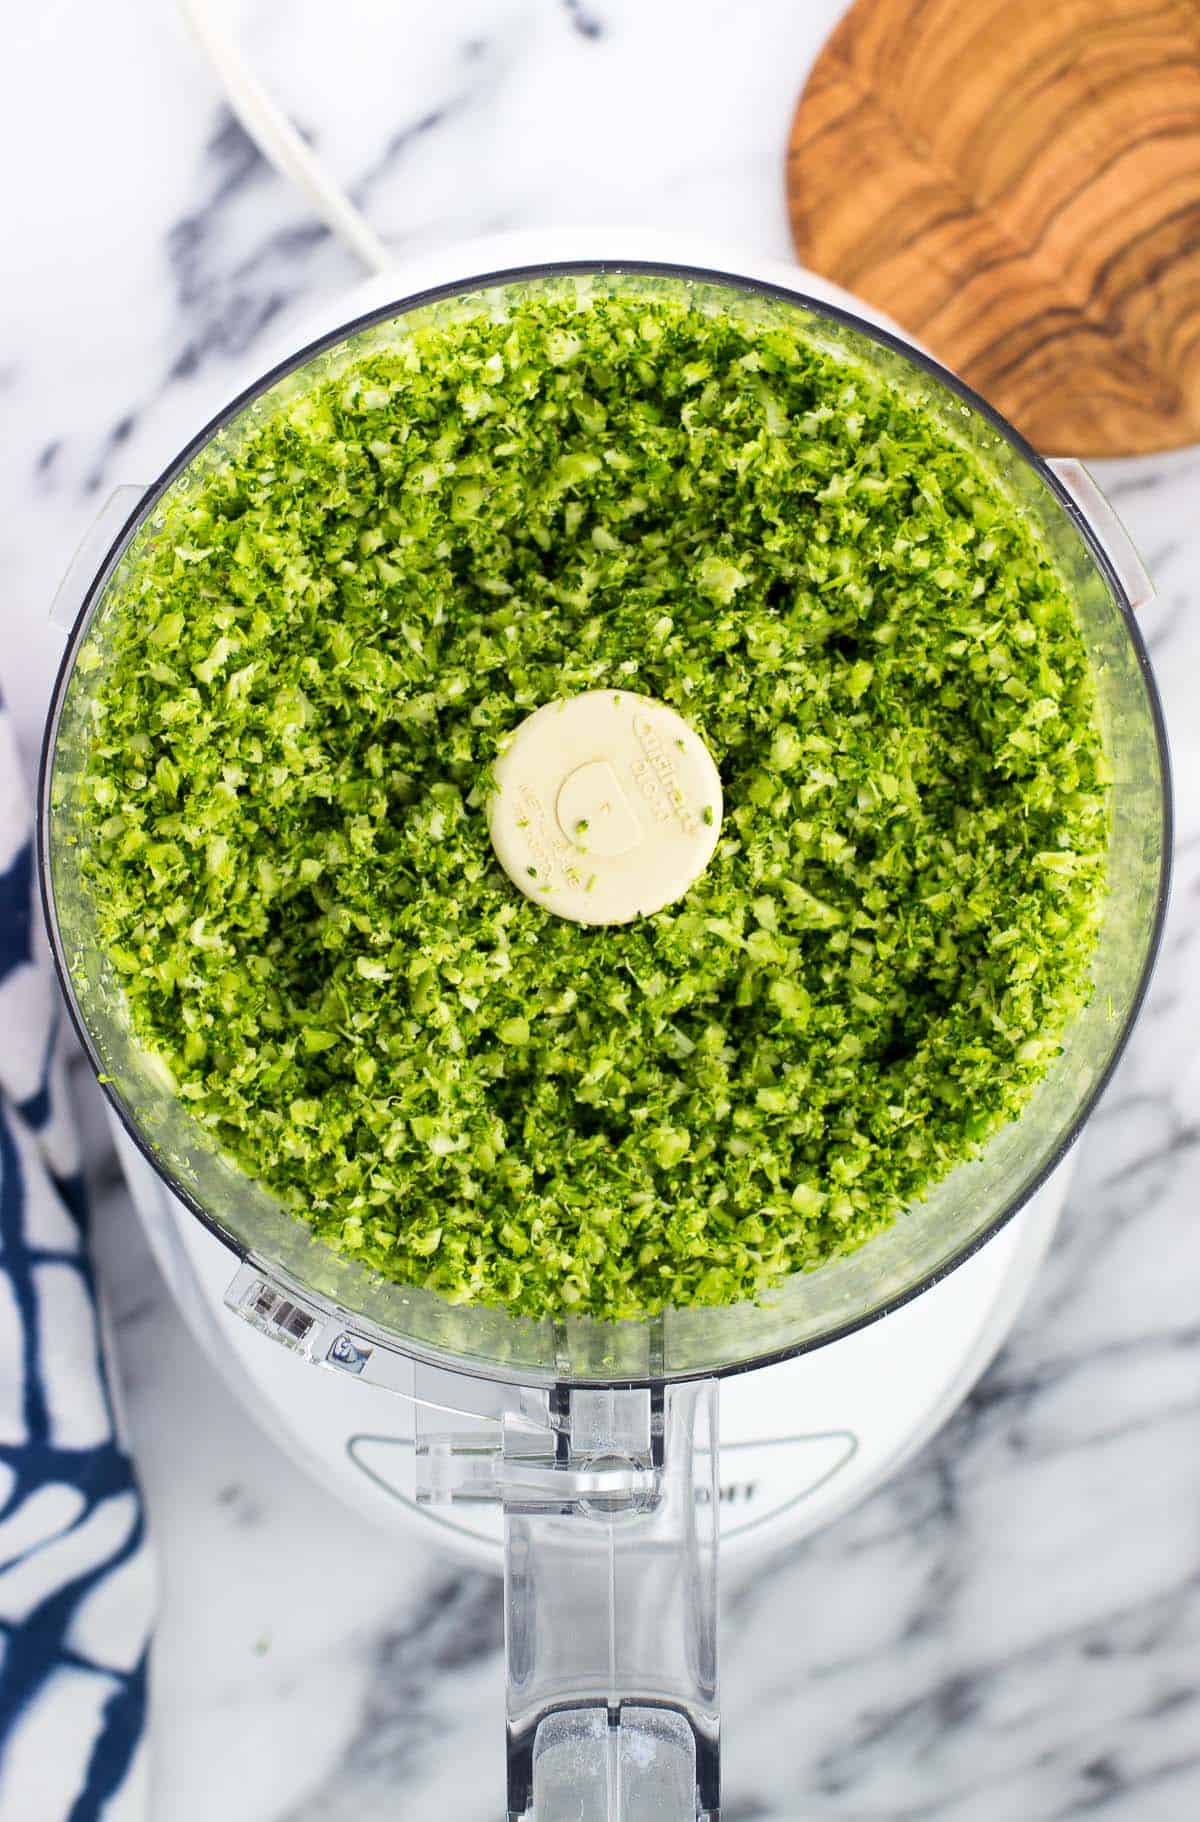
pixel 800 1442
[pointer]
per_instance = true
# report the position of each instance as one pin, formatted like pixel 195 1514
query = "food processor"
pixel 604 1466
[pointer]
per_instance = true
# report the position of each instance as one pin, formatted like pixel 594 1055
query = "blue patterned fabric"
pixel 76 1579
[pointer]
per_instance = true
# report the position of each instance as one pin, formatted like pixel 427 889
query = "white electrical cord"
pixel 276 137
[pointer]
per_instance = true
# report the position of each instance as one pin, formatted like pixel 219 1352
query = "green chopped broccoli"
pixel 311 667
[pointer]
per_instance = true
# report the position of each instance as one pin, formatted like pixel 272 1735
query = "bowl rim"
pixel 403 306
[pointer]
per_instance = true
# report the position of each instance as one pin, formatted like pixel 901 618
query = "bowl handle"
pixel 610 1592
pixel 610 1499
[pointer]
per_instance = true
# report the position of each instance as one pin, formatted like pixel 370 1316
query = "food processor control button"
pixel 607 806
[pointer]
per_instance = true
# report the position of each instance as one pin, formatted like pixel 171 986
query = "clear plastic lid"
pixel 930 1239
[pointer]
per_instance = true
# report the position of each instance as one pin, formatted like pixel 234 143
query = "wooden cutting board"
pixel 1017 182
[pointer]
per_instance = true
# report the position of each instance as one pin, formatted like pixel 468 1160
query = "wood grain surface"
pixel 1018 183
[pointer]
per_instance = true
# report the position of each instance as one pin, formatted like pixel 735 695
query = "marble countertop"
pixel 1008 1632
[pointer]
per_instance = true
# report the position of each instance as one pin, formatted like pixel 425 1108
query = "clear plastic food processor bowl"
pixel 600 1440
